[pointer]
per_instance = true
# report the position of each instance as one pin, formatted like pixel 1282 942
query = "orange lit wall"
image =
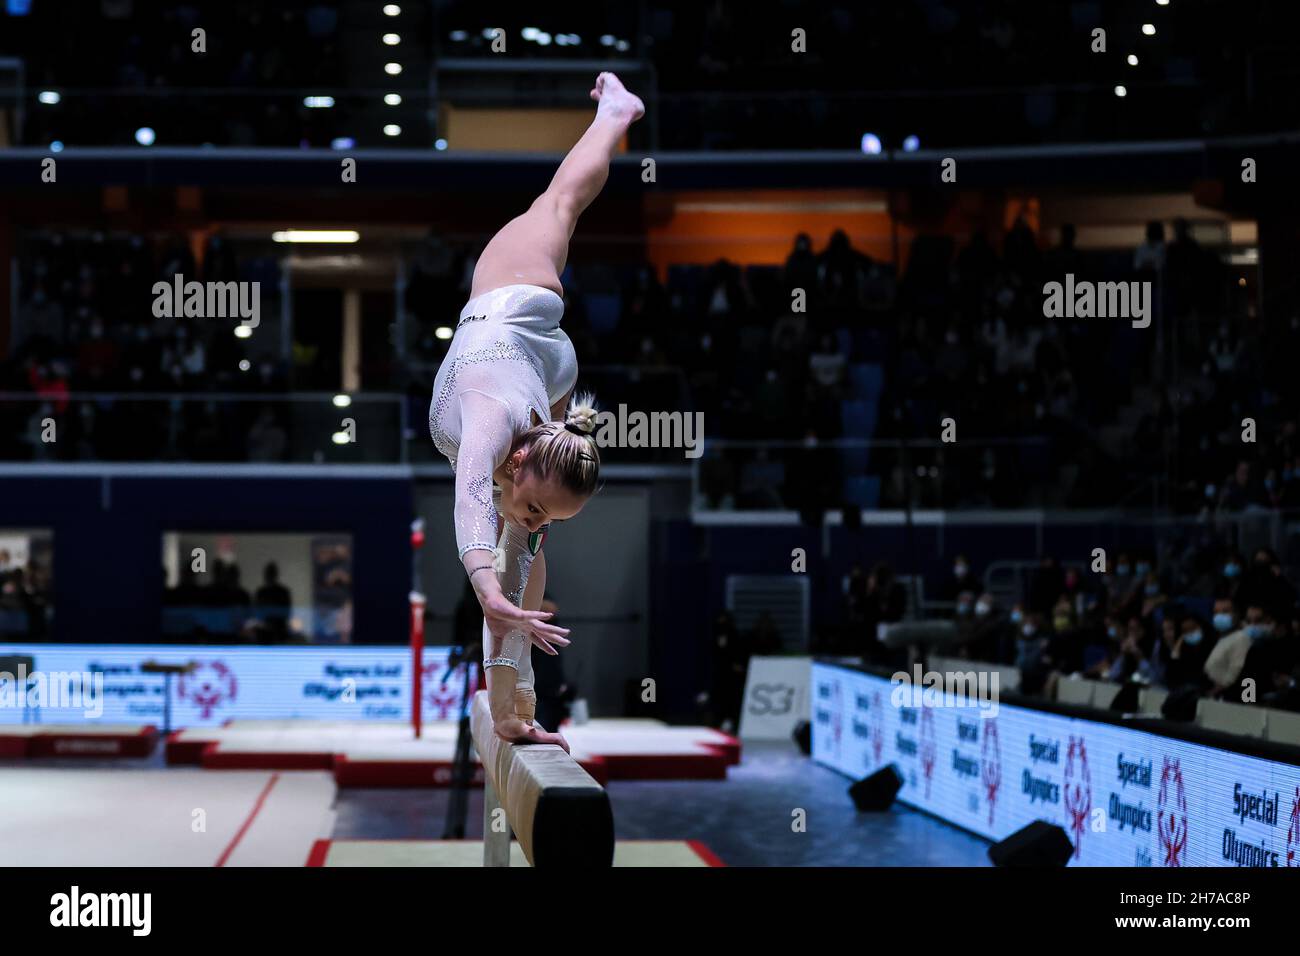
pixel 511 130
pixel 759 226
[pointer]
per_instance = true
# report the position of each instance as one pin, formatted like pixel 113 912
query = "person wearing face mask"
pixel 962 579
pixel 1153 595
pixel 1183 649
pixel 1120 580
pixel 1031 653
pixel 1133 657
pixel 1224 663
pixel 964 608
pixel 1009 634
pixel 1133 599
pixel 986 625
pixel 1272 656
pixel 1198 640
pixel 1225 618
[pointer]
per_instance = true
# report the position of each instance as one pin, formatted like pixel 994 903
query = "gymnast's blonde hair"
pixel 565 452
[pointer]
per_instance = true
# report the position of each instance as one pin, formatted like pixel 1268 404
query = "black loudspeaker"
pixel 1041 844
pixel 803 737
pixel 876 792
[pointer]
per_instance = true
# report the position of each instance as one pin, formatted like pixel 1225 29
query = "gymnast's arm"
pixel 508 629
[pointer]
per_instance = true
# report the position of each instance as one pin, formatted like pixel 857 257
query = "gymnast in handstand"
pixel 504 414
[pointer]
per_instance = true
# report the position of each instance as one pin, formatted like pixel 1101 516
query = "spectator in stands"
pixel 855 596
pixel 1009 644
pixel 801 267
pixel 1271 659
pixel 267 441
pixel 1032 659
pixel 1230 580
pixel 188 593
pixel 274 603
pixel 1225 662
pixel 1099 656
pixel 1186 271
pixel 984 633
pixel 226 591
pixel 1170 625
pixel 1133 660
pixel 961 580
pixel 1241 492
pixel 1064 259
pixel 885 600
pixel 1153 595
pixel 826 365
pixel 725 293
pixel 1264 584
pixel 964 607
pixel 840 272
pixel 1187 668
pixel 1020 250
pixel 1225 618
pixel 1150 255
pixel 1119 580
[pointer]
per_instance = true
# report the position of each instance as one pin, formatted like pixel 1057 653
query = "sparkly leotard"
pixel 509 360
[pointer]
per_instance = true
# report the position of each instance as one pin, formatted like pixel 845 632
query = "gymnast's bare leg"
pixel 532 249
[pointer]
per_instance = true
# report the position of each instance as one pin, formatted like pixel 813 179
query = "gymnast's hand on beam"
pixel 519 731
pixel 503 616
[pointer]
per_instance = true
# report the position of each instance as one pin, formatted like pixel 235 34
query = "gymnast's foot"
pixel 518 731
pixel 615 101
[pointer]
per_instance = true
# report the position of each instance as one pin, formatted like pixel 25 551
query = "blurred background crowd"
pixel 725 77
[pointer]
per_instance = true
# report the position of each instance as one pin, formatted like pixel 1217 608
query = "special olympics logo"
pixel 1171 813
pixel 929 751
pixel 1293 832
pixel 207 686
pixel 877 727
pixel 1077 786
pixel 991 764
pixel 442 693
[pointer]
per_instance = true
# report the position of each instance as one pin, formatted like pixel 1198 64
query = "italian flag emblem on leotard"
pixel 536 538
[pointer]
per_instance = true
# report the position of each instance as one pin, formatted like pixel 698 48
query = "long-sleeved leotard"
pixel 509 362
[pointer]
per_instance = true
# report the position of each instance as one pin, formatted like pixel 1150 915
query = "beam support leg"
pixel 496 845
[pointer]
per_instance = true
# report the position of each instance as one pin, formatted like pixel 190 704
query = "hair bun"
pixel 581 414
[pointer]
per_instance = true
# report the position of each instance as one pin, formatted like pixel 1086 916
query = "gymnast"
pixel 504 414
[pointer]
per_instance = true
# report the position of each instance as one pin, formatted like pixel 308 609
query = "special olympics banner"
pixel 776 697
pixel 1125 797
pixel 321 683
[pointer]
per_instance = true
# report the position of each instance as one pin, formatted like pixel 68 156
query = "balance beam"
pixel 559 814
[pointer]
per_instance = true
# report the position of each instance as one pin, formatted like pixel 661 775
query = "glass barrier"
pixel 871 474
pixel 254 624
pixel 201 427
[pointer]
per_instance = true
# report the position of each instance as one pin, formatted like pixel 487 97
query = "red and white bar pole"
pixel 417 627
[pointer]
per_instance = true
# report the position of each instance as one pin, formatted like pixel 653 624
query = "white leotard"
pixel 509 360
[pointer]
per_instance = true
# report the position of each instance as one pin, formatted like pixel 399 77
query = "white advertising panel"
pixel 321 683
pixel 776 697
pixel 1125 797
